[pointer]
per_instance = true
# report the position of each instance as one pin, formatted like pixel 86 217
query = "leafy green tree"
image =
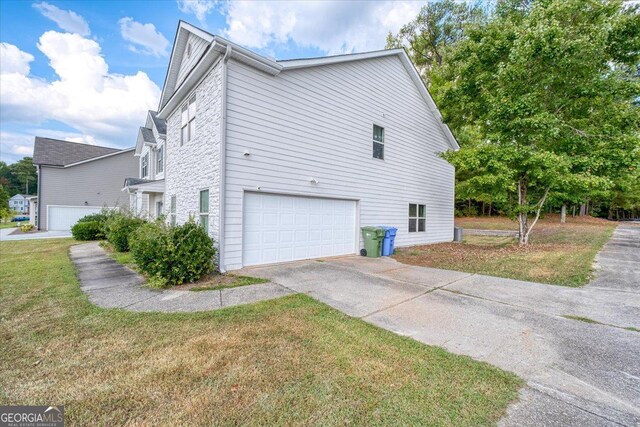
pixel 546 89
pixel 23 177
pixel 438 26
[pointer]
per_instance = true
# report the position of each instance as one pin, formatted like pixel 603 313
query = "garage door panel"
pixel 62 218
pixel 293 228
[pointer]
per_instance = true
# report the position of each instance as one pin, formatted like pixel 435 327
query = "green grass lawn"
pixel 290 361
pixel 8 224
pixel 558 254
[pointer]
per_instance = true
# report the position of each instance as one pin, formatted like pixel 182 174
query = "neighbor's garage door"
pixel 62 218
pixel 278 228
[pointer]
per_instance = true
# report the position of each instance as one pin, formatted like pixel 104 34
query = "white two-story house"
pixel 287 160
pixel 146 191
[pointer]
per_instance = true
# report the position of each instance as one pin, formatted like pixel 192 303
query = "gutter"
pixel 223 160
pixel 39 172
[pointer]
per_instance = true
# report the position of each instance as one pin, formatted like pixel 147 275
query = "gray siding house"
pixel 77 179
pixel 286 160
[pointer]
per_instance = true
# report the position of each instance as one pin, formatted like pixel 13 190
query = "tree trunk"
pixel 489 208
pixel 563 214
pixel 524 229
pixel 583 209
pixel 574 211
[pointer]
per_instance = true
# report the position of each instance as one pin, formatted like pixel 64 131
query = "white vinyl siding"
pixel 198 46
pixel 317 123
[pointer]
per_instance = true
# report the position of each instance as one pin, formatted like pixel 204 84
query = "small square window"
pixel 378 142
pixel 172 211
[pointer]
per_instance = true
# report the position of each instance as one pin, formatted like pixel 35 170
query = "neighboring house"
pixel 76 179
pixel 20 203
pixel 286 160
pixel 146 189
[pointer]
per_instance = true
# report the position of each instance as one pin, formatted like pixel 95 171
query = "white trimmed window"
pixel 188 120
pixel 378 142
pixel 172 211
pixel 145 166
pixel 417 217
pixel 204 209
pixel 160 160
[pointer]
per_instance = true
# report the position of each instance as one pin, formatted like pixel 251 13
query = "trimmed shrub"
pixel 173 255
pixel 95 231
pixel 87 230
pixel 118 229
pixel 26 227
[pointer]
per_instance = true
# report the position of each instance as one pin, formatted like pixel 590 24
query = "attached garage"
pixel 280 228
pixel 62 218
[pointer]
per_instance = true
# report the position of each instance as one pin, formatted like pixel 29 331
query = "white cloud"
pixel 145 36
pixel 67 20
pixel 102 107
pixel 13 60
pixel 200 8
pixel 331 26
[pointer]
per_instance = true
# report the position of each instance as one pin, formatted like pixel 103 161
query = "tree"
pixel 22 176
pixel 438 26
pixel 547 89
pixel 4 203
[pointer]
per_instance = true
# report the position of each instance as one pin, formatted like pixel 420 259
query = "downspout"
pixel 39 189
pixel 223 160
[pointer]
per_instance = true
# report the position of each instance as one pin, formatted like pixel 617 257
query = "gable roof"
pixel 160 124
pixel 55 152
pixel 172 93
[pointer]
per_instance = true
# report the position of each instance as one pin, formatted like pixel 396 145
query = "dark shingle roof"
pixel 135 181
pixel 54 152
pixel 161 124
pixel 147 135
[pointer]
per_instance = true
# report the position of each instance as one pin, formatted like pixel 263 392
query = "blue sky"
pixel 87 71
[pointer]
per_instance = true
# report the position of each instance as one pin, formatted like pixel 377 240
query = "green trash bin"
pixel 373 237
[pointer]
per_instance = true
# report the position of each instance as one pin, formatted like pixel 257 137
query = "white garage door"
pixel 62 218
pixel 278 228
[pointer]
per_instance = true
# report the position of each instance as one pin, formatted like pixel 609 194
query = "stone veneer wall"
pixel 196 165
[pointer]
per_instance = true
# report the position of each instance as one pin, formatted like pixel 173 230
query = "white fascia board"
pixel 337 59
pixel 100 157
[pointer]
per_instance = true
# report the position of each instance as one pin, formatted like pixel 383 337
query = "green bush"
pixel 95 231
pixel 87 230
pixel 118 229
pixel 173 255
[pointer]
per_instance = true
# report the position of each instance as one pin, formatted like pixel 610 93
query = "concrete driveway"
pixel 5 235
pixel 577 373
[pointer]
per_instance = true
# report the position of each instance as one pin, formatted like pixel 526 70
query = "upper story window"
pixel 188 121
pixel 417 217
pixel 378 142
pixel 160 160
pixel 145 166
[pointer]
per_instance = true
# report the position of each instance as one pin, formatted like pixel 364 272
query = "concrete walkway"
pixel 577 373
pixel 112 285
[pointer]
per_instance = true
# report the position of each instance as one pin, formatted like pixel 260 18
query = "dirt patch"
pixel 215 281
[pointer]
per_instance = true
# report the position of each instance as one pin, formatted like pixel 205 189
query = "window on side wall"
pixel 378 142
pixel 172 211
pixel 417 217
pixel 204 209
pixel 160 160
pixel 145 166
pixel 188 123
